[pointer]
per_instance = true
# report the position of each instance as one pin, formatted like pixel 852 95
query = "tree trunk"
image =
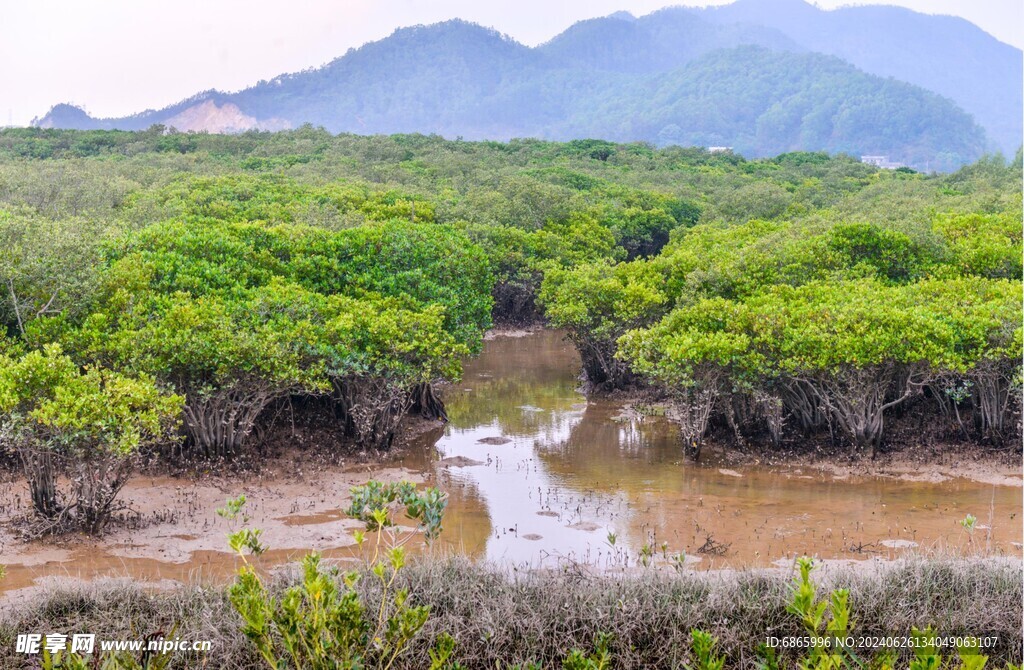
pixel 600 366
pixel 857 399
pixel 991 398
pixel 97 482
pixel 693 412
pixel 40 469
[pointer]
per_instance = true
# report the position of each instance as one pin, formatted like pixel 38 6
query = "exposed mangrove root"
pixel 426 403
pixel 600 365
pixel 693 412
pixel 218 424
pixel 515 303
pixel 89 502
pixel 802 401
pixel 370 409
pixel 994 399
pixel 95 485
pixel 859 398
pixel 771 409
pixel 40 468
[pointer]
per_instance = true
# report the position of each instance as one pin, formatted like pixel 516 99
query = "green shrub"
pixel 88 425
pixel 322 622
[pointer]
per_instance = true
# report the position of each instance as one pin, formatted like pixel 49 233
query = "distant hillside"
pixel 763 103
pixel 945 54
pixel 675 76
pixel 664 40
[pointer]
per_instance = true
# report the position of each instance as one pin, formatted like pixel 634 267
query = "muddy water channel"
pixel 539 475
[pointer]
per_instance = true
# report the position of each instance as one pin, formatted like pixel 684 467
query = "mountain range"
pixel 759 76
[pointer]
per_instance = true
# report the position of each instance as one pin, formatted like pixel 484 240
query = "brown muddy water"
pixel 540 476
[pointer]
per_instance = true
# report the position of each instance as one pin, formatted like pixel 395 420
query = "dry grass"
pixel 501 619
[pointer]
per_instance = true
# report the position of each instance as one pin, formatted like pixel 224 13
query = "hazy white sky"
pixel 116 57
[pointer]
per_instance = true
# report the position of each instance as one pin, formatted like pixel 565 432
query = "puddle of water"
pixel 536 475
pixel 556 474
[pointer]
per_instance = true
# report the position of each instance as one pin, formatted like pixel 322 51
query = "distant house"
pixel 881 161
pixel 719 150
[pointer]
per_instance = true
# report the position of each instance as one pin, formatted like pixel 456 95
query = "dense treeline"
pixel 208 278
pixel 826 320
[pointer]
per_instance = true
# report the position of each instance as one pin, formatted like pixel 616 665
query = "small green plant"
pixel 441 654
pixel 830 620
pixel 884 660
pixel 233 508
pixel 244 539
pixel 704 655
pixel 926 654
pixel 969 523
pixel 599 659
pixel 767 659
pixel 969 652
pixel 322 622
pixel 427 506
pixel 646 554
pixel 826 618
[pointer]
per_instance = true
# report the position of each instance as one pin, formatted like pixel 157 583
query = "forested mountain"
pixel 763 102
pixel 658 42
pixel 677 76
pixel 945 54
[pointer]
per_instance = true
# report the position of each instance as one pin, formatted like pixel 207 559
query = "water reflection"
pixel 525 386
pixel 538 474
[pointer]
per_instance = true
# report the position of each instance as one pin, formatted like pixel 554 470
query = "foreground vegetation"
pixel 209 279
pixel 499 621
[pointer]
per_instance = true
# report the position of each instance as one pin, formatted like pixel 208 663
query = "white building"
pixel 881 161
